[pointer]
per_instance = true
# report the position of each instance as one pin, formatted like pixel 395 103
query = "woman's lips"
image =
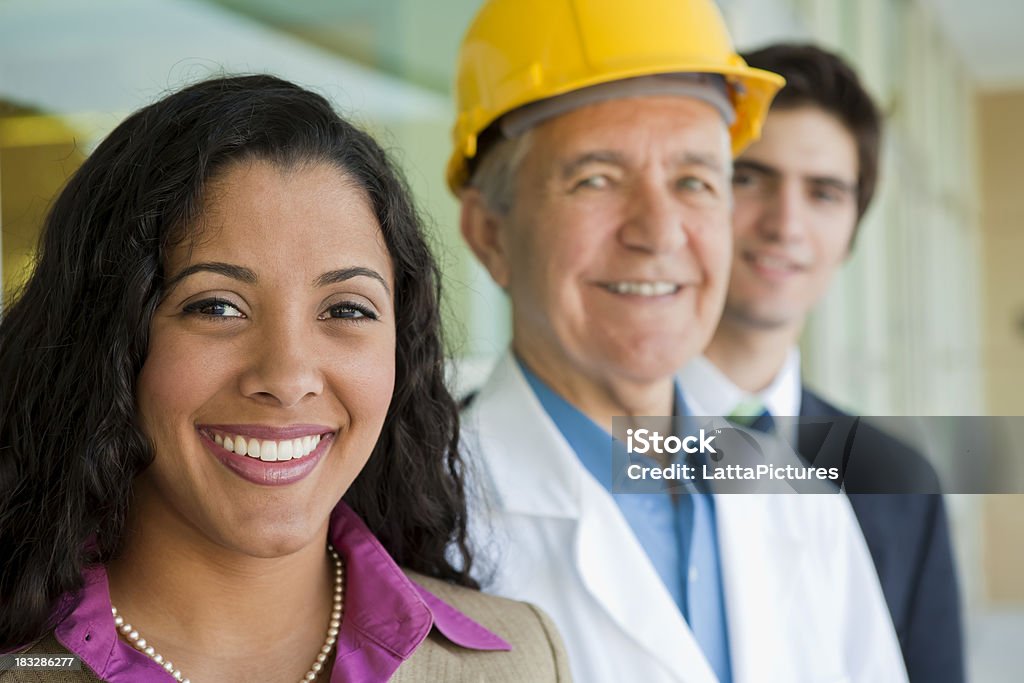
pixel 262 471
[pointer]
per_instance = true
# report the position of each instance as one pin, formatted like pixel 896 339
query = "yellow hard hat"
pixel 521 51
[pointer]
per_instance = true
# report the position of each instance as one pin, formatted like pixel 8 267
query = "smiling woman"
pixel 223 425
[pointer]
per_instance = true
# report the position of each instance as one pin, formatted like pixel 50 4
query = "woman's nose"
pixel 284 368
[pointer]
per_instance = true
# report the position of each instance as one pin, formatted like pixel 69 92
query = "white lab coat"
pixel 803 602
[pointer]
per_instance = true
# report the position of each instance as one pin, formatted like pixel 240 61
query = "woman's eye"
pixel 348 311
pixel 214 308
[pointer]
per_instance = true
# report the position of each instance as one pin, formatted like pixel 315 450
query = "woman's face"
pixel 271 360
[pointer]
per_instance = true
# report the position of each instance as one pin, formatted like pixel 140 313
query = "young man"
pixel 800 193
pixel 593 156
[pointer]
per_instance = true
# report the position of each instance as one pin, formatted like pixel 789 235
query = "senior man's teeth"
pixel 267 450
pixel 643 288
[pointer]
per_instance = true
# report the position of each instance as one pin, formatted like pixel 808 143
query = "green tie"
pixel 752 414
pixel 746 411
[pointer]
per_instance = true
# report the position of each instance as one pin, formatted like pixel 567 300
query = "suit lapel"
pixel 826 434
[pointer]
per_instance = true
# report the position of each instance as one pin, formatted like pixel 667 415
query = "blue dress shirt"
pixel 679 536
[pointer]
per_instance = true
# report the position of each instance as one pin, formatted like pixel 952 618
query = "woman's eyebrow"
pixel 226 269
pixel 334 276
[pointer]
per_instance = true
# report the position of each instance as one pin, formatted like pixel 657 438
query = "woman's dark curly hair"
pixel 73 343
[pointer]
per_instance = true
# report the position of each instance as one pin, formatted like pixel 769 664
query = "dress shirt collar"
pixel 711 393
pixel 589 440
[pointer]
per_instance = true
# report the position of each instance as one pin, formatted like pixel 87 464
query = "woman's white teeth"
pixel 643 288
pixel 285 450
pixel 267 450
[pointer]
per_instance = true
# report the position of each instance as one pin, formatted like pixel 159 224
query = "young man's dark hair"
pixel 818 78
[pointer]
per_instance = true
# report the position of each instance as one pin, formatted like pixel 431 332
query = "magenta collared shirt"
pixel 386 618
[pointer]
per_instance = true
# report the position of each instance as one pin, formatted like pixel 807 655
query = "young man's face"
pixel 795 212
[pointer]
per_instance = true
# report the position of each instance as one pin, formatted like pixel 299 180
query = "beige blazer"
pixel 537 653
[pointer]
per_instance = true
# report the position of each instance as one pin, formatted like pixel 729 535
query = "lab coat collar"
pixel 533 469
pixel 534 472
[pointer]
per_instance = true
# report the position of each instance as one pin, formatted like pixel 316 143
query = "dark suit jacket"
pixel 908 537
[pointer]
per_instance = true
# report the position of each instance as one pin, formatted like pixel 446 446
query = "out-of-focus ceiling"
pixel 415 39
pixel 418 39
pixel 987 33
pixel 111 56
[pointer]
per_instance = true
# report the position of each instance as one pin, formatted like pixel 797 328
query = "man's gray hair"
pixel 495 174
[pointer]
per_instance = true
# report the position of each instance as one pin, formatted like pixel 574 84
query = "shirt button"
pixel 693 574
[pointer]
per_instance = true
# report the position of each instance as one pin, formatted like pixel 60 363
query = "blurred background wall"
pixel 927 318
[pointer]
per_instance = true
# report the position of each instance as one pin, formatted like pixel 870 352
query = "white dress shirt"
pixel 709 392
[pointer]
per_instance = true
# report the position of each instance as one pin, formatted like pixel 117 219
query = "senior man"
pixel 593 161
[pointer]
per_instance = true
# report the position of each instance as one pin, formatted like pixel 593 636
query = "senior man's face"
pixel 615 251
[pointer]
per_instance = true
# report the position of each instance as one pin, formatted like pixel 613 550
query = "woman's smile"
pixel 267 455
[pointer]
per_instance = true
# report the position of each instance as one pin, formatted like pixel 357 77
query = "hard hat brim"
pixel 751 92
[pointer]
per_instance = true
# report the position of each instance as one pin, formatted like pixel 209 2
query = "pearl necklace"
pixel 140 644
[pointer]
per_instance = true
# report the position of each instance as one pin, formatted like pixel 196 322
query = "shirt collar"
pixel 383 604
pixel 387 616
pixel 711 393
pixel 589 440
pixel 782 396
